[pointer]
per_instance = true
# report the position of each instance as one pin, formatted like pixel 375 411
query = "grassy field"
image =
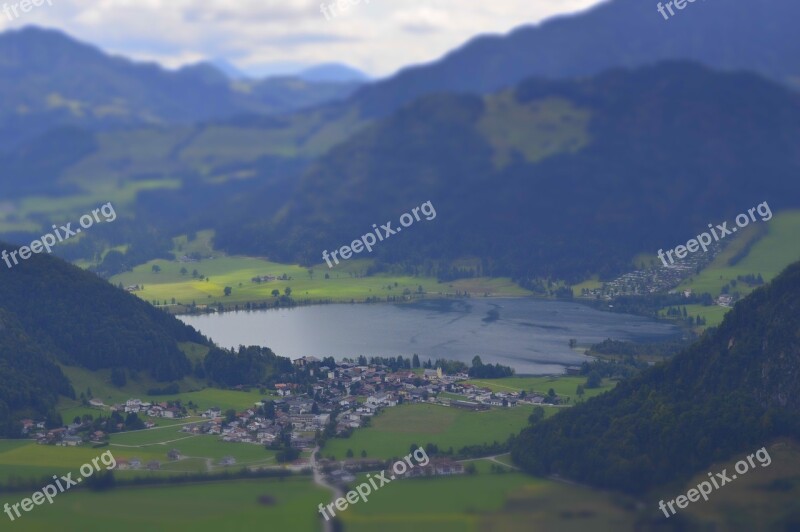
pixel 154 444
pixel 562 385
pixel 26 459
pixel 100 384
pixel 770 254
pixel 758 500
pixel 396 429
pixel 483 502
pixel 778 248
pixel 765 498
pixel 345 282
pixel 237 272
pixel 211 506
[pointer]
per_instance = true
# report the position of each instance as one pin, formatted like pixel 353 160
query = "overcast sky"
pixel 378 37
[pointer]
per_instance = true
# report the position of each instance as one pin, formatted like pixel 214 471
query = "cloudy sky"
pixel 260 36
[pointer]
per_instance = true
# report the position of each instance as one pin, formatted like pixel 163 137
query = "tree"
pixel 276 293
pixel 228 290
pixel 195 274
pixel 230 415
pixel 477 362
pixel 363 454
pixel 156 268
pixel 184 271
pixel 579 391
pixel 594 380
pixel 349 453
pixel 536 416
pixel 118 377
pixel 415 361
pixel 287 291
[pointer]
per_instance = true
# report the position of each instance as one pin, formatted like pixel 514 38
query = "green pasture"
pixel 290 504
pixel 100 384
pixel 345 282
pixel 773 252
pixel 394 430
pixel 564 386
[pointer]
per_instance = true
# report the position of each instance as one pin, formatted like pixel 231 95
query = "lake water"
pixel 530 335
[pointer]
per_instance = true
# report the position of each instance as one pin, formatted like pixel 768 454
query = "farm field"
pixel 290 504
pixel 99 382
pixel 26 459
pixel 345 281
pixel 564 386
pixel 396 429
pixel 473 503
pixel 159 442
pixel 778 248
pixel 202 396
pixel 765 498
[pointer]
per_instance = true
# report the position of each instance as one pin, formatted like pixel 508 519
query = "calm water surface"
pixel 528 334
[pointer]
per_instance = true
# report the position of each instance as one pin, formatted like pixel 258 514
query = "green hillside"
pixel 731 392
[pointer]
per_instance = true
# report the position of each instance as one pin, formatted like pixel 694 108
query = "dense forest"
pixel 31 380
pixel 251 365
pixel 732 391
pixel 84 321
pixel 563 200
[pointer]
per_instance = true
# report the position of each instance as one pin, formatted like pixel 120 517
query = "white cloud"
pixel 379 37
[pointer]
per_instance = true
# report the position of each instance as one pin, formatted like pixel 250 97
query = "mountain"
pixel 736 389
pixel 228 68
pixel 333 72
pixel 737 35
pixel 79 319
pixel 31 380
pixel 558 179
pixel 48 79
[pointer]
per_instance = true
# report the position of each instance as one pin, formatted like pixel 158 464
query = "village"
pixel 343 397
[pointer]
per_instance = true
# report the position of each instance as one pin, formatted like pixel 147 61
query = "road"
pixel 319 480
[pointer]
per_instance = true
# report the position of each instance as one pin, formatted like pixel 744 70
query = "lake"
pixel 530 335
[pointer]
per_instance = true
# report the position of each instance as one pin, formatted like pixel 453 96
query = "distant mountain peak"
pixel 332 72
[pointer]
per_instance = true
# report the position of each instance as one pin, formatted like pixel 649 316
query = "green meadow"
pixel 345 282
pixel 342 285
pixel 486 501
pixel 197 392
pixel 27 459
pixel 394 430
pixel 157 442
pixel 769 255
pixel 289 505
pixel 564 386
